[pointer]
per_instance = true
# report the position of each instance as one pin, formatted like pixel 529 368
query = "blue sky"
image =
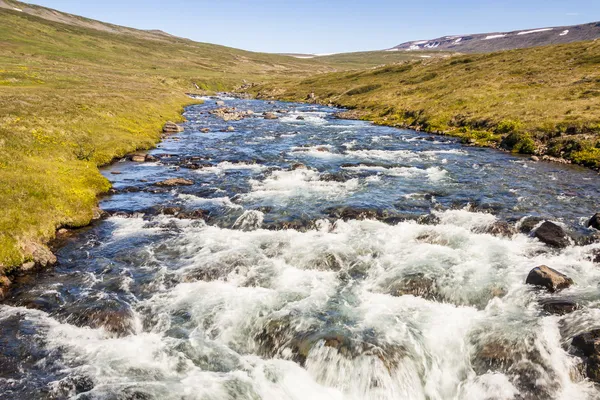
pixel 311 26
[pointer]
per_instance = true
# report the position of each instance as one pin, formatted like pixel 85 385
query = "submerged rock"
pixel 171 127
pixel 527 224
pixel 552 235
pixel 558 306
pixel 499 228
pixel 594 222
pixel 588 345
pixel 549 278
pixel 175 182
pixel 415 284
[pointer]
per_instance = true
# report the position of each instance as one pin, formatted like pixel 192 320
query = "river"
pixel 311 258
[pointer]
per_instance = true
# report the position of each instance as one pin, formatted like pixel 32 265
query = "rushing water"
pixel 284 293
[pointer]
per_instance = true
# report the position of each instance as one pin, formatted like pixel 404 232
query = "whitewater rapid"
pixel 283 290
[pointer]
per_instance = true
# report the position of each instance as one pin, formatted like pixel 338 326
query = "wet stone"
pixel 548 278
pixel 558 306
pixel 552 235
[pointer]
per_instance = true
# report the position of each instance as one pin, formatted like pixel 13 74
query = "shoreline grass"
pixel 543 100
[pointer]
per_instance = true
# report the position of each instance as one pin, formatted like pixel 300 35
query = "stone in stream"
pixel 548 278
pixel 300 118
pixel 171 127
pixel 175 182
pixel 220 103
pixel 552 235
pixel 151 158
pixel 527 224
pixel 594 222
pixel 499 228
pixel 270 115
pixel 113 315
pixel 588 345
pixel 230 129
pixel 416 284
pixel 138 158
pixel 205 130
pixel 558 306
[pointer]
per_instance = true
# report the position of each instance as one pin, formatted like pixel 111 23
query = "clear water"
pixel 274 297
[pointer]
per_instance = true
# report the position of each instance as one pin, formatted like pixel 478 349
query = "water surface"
pixel 312 274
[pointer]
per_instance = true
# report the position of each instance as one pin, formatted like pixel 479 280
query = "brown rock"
pixel 551 234
pixel 151 158
pixel 40 255
pixel 175 182
pixel 171 127
pixel 558 306
pixel 138 158
pixel 270 115
pixel 549 278
pixel 205 130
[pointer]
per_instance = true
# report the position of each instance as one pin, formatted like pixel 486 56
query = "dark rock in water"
pixel 585 240
pixel 171 210
pixel 558 306
pixel 551 234
pixel 429 219
pixel 595 256
pixel 500 228
pixel 415 284
pixel 527 224
pixel 549 278
pixel 115 316
pixel 594 222
pixel 300 118
pixel 298 166
pixel 175 182
pixel 335 177
pixel 588 345
pixel 151 158
pixel 350 213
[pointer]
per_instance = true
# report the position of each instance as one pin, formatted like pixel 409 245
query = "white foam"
pixel 434 174
pixel 203 201
pixel 297 184
pixel 225 166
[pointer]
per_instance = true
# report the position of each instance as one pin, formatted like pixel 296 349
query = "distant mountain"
pixel 496 41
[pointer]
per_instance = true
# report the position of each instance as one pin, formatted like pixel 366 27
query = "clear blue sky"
pixel 312 26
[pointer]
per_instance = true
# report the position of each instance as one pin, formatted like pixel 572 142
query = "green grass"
pixel 74 98
pixel 543 100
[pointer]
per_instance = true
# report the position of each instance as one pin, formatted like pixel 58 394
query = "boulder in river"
pixel 499 228
pixel 527 224
pixel 151 158
pixel 230 129
pixel 558 306
pixel 300 118
pixel 551 234
pixel 205 130
pixel 414 284
pixel 549 278
pixel 594 222
pixel 270 115
pixel 171 127
pixel 220 103
pixel 175 182
pixel 588 344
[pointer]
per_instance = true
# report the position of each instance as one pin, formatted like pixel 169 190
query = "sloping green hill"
pixel 73 97
pixel 543 100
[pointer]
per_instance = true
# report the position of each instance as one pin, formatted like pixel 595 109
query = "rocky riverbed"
pixel 273 251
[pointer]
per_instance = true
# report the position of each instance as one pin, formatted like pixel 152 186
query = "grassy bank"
pixel 542 100
pixel 73 98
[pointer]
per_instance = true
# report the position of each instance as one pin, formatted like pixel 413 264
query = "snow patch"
pixel 17 9
pixel 458 40
pixel 534 31
pixel 494 36
pixel 563 33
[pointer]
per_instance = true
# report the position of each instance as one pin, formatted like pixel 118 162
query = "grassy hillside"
pixel 543 100
pixel 72 98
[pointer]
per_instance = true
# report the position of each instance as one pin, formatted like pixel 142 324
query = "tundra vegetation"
pixel 543 100
pixel 73 98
